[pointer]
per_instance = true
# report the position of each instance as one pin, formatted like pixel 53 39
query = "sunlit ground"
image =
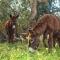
pixel 19 51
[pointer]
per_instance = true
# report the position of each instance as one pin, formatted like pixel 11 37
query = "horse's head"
pixel 13 18
pixel 32 38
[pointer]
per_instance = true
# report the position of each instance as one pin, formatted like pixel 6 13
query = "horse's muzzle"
pixel 31 49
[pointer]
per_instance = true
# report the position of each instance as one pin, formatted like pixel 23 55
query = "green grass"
pixel 19 51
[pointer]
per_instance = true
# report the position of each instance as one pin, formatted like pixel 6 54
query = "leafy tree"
pixel 4 9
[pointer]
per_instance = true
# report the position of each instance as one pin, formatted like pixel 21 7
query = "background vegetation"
pixel 19 51
pixel 23 7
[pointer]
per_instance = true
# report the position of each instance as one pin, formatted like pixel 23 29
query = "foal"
pixel 47 23
pixel 10 26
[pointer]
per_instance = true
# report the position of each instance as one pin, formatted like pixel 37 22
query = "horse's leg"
pixel 54 40
pixel 44 37
pixel 38 41
pixel 8 35
pixel 12 38
pixel 59 42
pixel 14 34
pixel 50 41
pixel 9 38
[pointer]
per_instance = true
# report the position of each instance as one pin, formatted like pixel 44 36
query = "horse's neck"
pixel 40 28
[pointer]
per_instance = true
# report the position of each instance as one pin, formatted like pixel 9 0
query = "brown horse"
pixel 47 23
pixel 10 27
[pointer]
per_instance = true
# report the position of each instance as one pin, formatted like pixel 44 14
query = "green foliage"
pixel 6 9
pixel 23 7
pixel 23 20
pixel 1 26
pixel 19 51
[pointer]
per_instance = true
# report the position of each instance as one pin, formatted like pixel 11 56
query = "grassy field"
pixel 19 51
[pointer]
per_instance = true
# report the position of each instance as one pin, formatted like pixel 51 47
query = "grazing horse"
pixel 10 27
pixel 49 24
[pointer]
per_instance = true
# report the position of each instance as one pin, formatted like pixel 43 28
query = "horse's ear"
pixel 10 16
pixel 31 31
pixel 17 16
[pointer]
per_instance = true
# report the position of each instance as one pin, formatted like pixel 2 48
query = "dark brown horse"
pixel 47 23
pixel 10 27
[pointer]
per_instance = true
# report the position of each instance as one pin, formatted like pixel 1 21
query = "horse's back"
pixel 52 21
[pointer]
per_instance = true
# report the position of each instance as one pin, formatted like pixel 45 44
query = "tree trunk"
pixel 34 7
